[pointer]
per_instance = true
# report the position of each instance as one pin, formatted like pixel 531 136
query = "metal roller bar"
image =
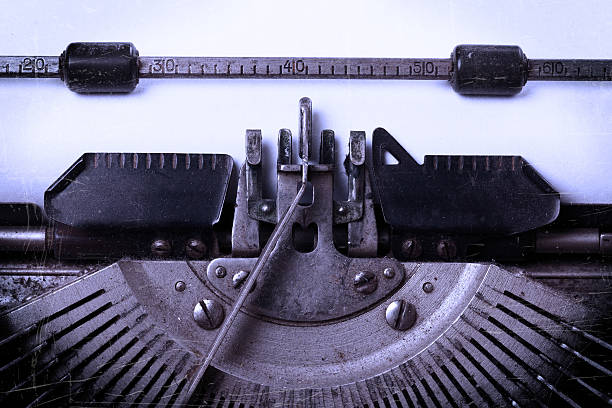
pixel 295 68
pixel 471 69
pixel 569 70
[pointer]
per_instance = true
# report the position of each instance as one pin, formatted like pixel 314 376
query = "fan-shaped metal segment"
pixel 483 337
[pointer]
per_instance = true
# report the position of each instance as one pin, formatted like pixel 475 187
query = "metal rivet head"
pixel 340 210
pixel 428 287
pixel 220 272
pixel 208 314
pixel 195 249
pixel 180 286
pixel 447 250
pixel 160 247
pixel 411 248
pixel 264 208
pixel 239 278
pixel 401 315
pixel 365 282
pixel 389 273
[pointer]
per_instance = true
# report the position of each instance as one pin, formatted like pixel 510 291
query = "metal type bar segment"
pixel 311 68
pixel 29 67
pixel 569 70
pixel 295 67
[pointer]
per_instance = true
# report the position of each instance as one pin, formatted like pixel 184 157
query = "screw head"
pixel 264 208
pixel 195 248
pixel 160 247
pixel 208 314
pixel 446 249
pixel 220 272
pixel 341 209
pixel 239 278
pixel 411 248
pixel 428 287
pixel 401 315
pixel 180 286
pixel 365 282
pixel 389 273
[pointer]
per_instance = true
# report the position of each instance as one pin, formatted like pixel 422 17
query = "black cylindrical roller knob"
pixel 488 70
pixel 100 67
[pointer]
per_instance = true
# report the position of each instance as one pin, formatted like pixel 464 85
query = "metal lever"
pixel 305 143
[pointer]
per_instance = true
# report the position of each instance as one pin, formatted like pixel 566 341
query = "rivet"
pixel 446 249
pixel 389 273
pixel 195 249
pixel 411 248
pixel 160 247
pixel 239 278
pixel 220 272
pixel 365 282
pixel 428 287
pixel 264 208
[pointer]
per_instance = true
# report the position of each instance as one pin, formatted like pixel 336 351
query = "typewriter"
pixel 173 279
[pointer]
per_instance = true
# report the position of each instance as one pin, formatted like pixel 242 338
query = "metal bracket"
pixel 317 284
pixel 265 209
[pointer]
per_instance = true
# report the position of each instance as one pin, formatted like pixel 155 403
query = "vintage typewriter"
pixel 172 279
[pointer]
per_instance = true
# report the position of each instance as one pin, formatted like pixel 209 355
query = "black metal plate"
pixel 461 194
pixel 141 190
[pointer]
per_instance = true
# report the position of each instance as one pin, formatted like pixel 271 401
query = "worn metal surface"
pixel 483 337
pixel 460 194
pixel 320 328
pixel 310 68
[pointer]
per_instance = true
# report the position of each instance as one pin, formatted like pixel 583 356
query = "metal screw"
pixel 195 249
pixel 160 247
pixel 239 278
pixel 411 248
pixel 340 209
pixel 428 287
pixel 264 208
pixel 220 272
pixel 389 273
pixel 208 314
pixel 401 315
pixel 446 249
pixel 365 282
pixel 180 286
